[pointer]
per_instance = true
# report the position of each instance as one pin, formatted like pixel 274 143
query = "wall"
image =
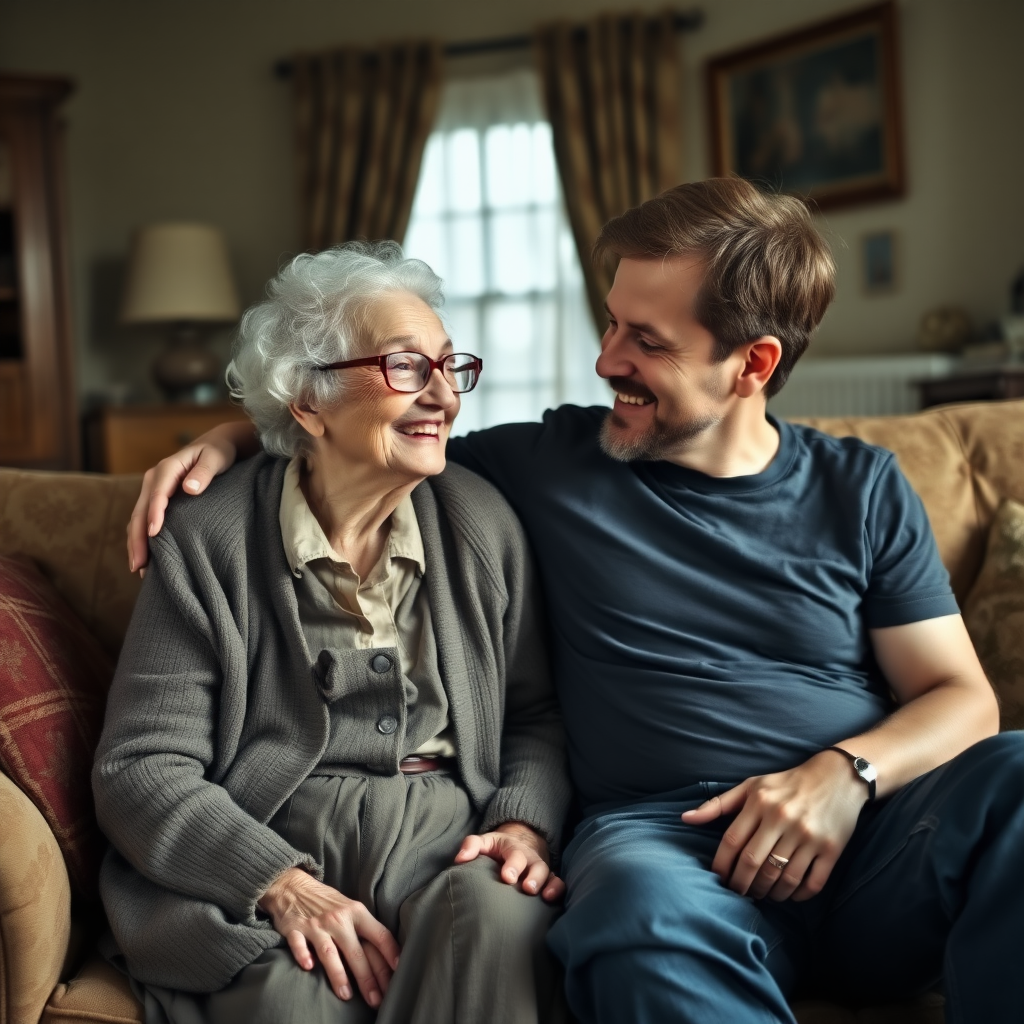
pixel 177 115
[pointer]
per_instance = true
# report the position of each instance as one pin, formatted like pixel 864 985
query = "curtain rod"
pixel 684 21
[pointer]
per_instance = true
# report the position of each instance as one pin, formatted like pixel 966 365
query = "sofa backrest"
pixel 963 460
pixel 72 525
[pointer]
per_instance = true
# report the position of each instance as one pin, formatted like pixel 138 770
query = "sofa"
pixel 963 460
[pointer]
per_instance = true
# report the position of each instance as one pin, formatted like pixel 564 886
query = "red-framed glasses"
pixel 409 371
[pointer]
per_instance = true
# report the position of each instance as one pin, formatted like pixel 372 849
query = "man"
pixel 781 737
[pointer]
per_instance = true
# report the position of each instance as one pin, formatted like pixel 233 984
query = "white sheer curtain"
pixel 488 217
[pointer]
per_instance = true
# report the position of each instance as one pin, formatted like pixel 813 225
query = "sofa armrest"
pixel 35 908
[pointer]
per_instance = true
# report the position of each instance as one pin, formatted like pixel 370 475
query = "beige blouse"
pixel 379 611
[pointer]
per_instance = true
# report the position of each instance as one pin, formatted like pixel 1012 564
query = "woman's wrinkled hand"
pixel 523 856
pixel 314 918
pixel 193 468
pixel 803 817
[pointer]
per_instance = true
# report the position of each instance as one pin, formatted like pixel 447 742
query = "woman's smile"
pixel 421 430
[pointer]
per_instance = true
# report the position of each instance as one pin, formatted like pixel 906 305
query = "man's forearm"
pixel 240 433
pixel 926 732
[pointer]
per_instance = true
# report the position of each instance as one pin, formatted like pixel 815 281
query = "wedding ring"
pixel 777 862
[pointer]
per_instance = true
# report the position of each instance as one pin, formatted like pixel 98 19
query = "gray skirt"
pixel 473 948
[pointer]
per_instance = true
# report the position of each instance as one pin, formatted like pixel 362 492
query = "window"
pixel 488 217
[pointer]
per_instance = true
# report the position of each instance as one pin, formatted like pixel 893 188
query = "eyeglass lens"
pixel 410 371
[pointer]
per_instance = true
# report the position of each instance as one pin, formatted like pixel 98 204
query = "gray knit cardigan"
pixel 217 714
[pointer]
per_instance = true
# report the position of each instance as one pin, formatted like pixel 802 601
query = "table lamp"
pixel 179 276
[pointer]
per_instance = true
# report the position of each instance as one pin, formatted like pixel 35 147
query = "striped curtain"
pixel 363 117
pixel 612 90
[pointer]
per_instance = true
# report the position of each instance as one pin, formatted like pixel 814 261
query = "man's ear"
pixel 308 418
pixel 761 357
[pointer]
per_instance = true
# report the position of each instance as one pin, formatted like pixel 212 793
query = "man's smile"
pixel 631 392
pixel 632 399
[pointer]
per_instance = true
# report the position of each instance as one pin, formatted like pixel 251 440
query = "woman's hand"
pixel 193 468
pixel 523 855
pixel 804 817
pixel 313 916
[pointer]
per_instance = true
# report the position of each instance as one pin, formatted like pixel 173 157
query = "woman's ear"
pixel 308 418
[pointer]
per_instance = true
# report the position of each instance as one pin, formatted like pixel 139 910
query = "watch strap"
pixel 863 767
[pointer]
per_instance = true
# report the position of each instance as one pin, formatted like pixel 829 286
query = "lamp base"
pixel 186 370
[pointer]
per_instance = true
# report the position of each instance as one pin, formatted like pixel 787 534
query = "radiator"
pixel 862 386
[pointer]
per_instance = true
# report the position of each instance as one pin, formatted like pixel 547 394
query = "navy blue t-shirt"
pixel 705 628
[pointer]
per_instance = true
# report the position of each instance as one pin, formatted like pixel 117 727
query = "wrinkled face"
pixel 402 435
pixel 658 360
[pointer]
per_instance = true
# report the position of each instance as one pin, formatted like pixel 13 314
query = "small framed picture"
pixel 878 260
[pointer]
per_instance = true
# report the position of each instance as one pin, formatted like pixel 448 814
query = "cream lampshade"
pixel 180 275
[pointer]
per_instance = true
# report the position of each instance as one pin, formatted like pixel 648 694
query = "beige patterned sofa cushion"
pixel 72 525
pixel 994 613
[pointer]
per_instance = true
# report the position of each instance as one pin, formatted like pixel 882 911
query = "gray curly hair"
pixel 315 312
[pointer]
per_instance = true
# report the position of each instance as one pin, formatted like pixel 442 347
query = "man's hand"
pixel 523 855
pixel 805 815
pixel 808 814
pixel 314 917
pixel 193 468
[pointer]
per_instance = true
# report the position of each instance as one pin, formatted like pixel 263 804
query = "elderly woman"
pixel 331 739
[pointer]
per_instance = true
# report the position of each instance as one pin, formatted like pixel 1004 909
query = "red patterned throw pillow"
pixel 53 686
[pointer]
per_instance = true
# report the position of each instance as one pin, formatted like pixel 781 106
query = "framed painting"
pixel 815 113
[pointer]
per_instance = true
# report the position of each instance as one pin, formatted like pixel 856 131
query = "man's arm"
pixel 806 816
pixel 946 702
pixel 192 468
pixel 218 449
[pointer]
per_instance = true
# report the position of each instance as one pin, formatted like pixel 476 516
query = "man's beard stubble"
pixel 658 441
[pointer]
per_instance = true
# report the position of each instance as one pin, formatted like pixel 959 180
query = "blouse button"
pixel 387 724
pixel 381 664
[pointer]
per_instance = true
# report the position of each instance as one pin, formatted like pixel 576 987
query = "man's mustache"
pixel 627 386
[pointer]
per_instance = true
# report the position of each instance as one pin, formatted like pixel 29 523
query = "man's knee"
pixel 1005 749
pixel 995 767
pixel 640 888
pixel 1001 775
pixel 629 870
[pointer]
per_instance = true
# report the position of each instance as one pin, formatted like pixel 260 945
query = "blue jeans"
pixel 929 889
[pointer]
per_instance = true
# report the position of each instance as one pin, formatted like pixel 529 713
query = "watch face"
pixel 860 764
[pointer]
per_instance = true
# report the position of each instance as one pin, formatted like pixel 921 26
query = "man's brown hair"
pixel 767 270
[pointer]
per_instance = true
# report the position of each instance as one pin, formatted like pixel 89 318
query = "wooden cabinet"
pixel 131 438
pixel 38 411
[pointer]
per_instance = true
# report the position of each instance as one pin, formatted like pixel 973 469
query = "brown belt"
pixel 416 764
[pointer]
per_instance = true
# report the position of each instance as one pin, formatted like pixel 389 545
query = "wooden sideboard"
pixel 983 384
pixel 131 438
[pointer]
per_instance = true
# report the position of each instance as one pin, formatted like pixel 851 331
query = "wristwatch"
pixel 862 766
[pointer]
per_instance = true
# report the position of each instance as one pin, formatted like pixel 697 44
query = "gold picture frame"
pixel 814 113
